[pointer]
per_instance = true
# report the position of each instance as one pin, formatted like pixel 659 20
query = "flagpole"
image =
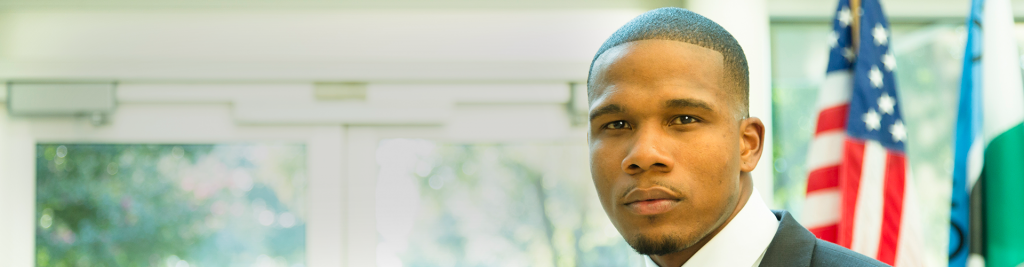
pixel 855 26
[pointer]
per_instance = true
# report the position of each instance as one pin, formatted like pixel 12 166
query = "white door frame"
pixel 341 159
pixel 168 124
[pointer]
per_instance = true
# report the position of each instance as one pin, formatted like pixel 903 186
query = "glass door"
pixel 170 183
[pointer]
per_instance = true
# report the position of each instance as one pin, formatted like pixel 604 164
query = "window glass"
pixel 447 204
pixel 170 205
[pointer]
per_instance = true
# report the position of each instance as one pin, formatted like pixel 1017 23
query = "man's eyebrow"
pixel 609 109
pixel 688 103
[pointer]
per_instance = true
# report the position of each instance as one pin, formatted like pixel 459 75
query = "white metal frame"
pixel 341 144
pixel 169 123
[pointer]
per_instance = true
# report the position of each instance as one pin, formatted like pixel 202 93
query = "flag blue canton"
pixel 841 54
pixel 874 107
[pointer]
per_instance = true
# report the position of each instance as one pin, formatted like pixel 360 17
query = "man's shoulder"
pixel 828 254
pixel 793 245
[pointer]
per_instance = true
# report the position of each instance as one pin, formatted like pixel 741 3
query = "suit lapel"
pixel 792 245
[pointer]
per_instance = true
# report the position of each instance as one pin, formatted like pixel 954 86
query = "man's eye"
pixel 684 119
pixel 617 125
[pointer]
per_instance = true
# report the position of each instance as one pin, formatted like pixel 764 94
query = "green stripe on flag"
pixel 1004 198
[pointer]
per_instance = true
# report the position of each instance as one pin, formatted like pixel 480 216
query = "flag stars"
pixel 899 132
pixel 844 17
pixel 886 104
pixel 872 120
pixel 875 76
pixel 848 54
pixel 880 34
pixel 833 39
pixel 889 60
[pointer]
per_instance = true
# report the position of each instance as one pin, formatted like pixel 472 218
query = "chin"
pixel 664 239
pixel 659 244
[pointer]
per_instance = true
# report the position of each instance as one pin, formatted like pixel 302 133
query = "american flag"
pixel 857 187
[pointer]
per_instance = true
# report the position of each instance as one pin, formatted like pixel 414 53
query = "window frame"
pixel 135 123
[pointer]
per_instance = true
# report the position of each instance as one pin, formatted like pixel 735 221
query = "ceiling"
pixel 357 4
pixel 778 9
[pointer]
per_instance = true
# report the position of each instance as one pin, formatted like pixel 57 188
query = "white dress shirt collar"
pixel 742 242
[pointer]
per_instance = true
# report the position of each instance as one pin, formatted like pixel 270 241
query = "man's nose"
pixel 648 154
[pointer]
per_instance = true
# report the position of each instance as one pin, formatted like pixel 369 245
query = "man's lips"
pixel 650 201
pixel 651 207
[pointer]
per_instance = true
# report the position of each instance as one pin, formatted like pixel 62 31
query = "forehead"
pixel 646 65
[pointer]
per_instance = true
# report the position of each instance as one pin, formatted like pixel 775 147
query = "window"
pixel 505 204
pixel 170 205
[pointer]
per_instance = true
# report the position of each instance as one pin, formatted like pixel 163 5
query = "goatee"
pixel 647 245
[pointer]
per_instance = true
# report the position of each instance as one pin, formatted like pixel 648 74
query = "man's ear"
pixel 751 143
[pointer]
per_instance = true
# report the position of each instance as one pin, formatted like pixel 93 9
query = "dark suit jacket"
pixel 794 246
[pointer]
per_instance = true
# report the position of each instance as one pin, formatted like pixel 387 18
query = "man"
pixel 672 147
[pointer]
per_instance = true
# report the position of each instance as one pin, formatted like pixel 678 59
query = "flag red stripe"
pixel 895 184
pixel 849 180
pixel 827 233
pixel 833 118
pixel 823 178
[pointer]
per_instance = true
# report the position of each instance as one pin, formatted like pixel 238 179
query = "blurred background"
pixel 383 133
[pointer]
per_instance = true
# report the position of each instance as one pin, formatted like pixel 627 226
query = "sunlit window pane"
pixel 170 205
pixel 443 204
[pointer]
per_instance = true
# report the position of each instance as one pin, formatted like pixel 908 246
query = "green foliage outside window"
pixel 492 205
pixel 170 205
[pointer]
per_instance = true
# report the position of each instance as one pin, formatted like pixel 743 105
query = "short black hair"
pixel 677 24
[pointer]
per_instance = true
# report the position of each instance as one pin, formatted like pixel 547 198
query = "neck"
pixel 680 257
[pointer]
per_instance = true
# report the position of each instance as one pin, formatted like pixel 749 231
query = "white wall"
pixel 304 45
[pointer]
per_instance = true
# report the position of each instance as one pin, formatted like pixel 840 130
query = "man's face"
pixel 665 143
